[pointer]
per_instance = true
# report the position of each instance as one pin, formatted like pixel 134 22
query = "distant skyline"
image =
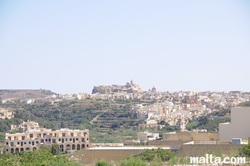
pixel 71 46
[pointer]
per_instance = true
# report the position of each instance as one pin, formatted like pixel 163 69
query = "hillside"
pixel 76 114
pixel 24 94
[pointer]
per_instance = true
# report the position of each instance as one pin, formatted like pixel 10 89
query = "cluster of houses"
pixel 6 113
pixel 235 132
pixel 179 108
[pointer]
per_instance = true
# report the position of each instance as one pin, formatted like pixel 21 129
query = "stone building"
pixel 130 87
pixel 68 140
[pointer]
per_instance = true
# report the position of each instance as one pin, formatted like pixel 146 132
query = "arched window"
pixel 73 147
pixel 61 148
pixel 68 147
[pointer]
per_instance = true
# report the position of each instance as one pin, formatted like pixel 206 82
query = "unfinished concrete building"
pixel 68 140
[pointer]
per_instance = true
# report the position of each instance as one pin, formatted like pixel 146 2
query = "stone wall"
pixel 202 150
pixel 162 143
pixel 95 155
pixel 205 136
pixel 187 136
pixel 91 156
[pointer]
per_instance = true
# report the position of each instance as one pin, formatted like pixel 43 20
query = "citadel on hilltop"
pixel 130 87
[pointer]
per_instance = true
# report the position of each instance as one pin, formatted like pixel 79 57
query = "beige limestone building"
pixel 239 126
pixel 68 140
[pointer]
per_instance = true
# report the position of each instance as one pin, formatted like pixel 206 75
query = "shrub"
pixel 156 154
pixel 133 161
pixel 38 157
pixel 102 163
pixel 55 149
pixel 245 150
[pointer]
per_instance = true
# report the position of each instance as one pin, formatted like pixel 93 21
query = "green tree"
pixel 102 163
pixel 245 150
pixel 55 149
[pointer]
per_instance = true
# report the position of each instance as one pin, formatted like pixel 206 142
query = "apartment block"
pixel 68 140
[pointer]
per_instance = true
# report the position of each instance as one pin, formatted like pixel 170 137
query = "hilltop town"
pixel 118 102
pixel 117 116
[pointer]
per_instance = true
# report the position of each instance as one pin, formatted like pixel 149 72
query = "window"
pixel 7 143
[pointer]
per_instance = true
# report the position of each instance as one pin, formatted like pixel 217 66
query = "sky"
pixel 175 45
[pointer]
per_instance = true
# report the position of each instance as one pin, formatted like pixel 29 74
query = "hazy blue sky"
pixel 70 46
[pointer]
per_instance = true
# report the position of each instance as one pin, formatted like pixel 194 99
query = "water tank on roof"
pixel 236 141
